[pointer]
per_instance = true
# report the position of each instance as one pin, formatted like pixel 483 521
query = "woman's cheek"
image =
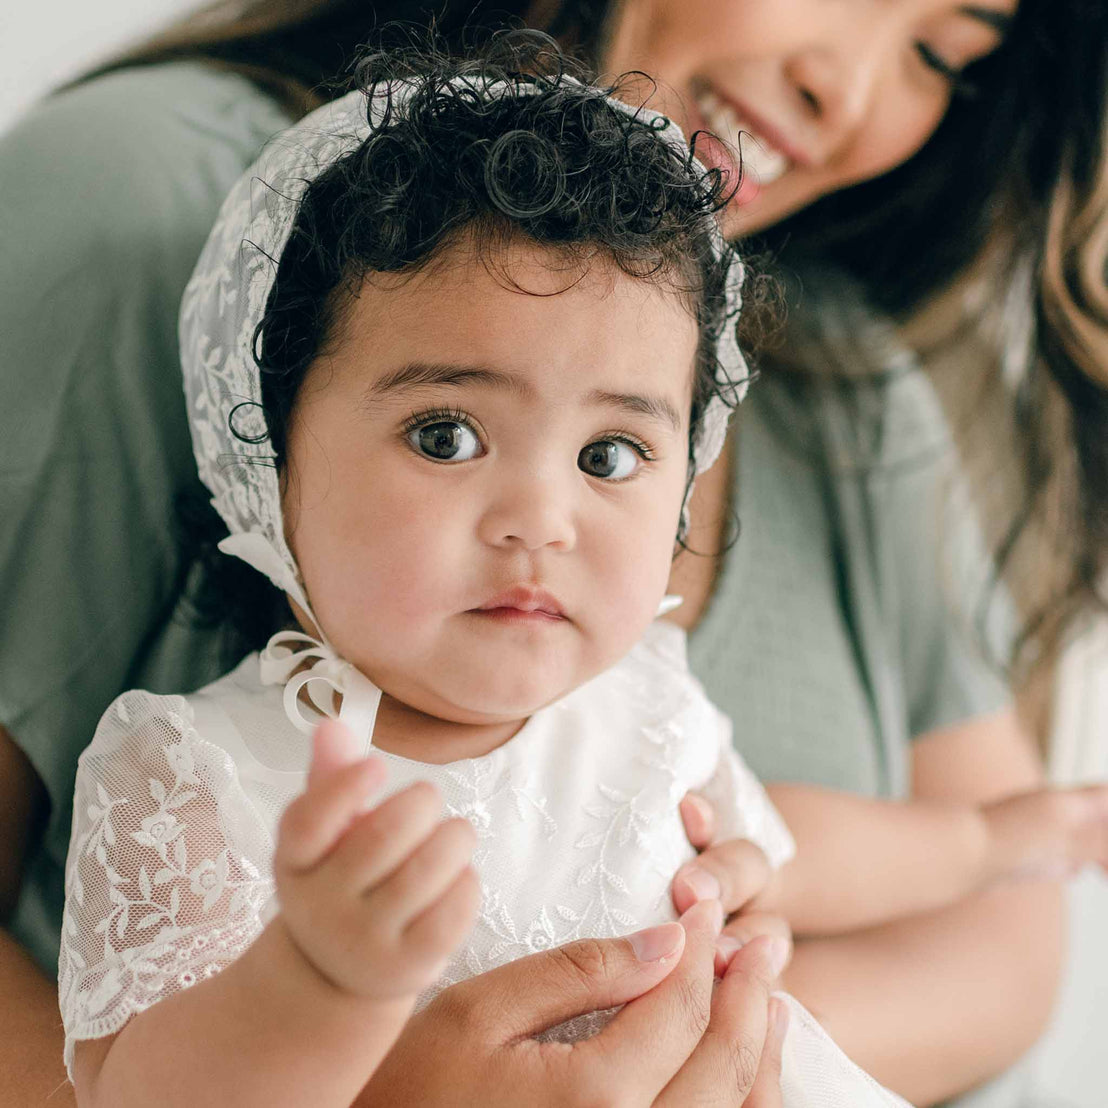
pixel 901 131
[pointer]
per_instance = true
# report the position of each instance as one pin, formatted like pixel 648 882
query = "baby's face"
pixel 483 487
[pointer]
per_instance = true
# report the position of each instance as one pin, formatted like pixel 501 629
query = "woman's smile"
pixel 813 96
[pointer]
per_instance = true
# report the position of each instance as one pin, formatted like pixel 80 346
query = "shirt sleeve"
pixel 168 871
pixel 952 621
pixel 743 808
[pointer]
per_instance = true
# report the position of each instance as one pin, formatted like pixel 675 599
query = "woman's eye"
pixel 609 459
pixel 934 60
pixel 445 441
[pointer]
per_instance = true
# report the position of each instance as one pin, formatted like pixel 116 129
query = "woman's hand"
pixel 677 1040
pixel 733 872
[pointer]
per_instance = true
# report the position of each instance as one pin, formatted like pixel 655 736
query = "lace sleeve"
pixel 168 869
pixel 743 810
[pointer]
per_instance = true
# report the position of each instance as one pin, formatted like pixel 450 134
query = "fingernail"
pixel 716 916
pixel 780 1018
pixel 699 806
pixel 728 946
pixel 703 885
pixel 778 954
pixel 656 943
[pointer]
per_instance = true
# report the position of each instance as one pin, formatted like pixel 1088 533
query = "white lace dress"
pixel 177 801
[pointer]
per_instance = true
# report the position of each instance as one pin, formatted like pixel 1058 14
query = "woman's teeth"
pixel 761 159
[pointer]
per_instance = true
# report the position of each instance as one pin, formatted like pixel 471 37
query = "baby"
pixel 453 355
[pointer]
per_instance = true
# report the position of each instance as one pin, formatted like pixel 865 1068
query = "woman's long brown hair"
pixel 298 50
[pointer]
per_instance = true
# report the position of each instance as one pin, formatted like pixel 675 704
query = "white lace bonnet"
pixel 226 299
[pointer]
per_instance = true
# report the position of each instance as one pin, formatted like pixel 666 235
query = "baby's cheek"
pixel 630 592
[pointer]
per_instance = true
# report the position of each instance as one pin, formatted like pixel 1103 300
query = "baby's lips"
pixel 525 598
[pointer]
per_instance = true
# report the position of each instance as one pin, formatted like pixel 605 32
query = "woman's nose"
pixel 838 80
pixel 533 512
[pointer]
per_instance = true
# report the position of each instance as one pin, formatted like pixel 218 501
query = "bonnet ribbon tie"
pixel 334 687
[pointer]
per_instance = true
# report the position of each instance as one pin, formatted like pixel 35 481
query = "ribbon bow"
pixel 335 688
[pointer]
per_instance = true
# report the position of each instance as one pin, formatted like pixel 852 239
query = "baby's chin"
pixel 488 693
pixel 481 704
pixel 441 725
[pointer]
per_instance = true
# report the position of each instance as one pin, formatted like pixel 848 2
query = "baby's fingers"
pixel 429 871
pixel 438 930
pixel 333 746
pixel 1085 810
pixel 382 839
pixel 732 872
pixel 313 823
pixel 1096 799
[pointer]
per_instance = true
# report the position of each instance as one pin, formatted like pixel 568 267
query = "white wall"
pixel 1072 1063
pixel 43 43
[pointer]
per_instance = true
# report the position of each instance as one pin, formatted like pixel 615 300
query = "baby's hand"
pixel 375 900
pixel 1050 833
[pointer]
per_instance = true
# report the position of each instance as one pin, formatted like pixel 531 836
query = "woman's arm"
pixel 30 1029
pixel 31 1037
pixel 936 1004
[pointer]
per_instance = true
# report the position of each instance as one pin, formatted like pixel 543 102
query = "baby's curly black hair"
pixel 507 145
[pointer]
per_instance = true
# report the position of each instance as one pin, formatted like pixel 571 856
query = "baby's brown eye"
pixel 445 441
pixel 609 459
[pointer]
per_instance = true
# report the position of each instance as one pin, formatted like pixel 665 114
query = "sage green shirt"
pixel 844 621
pixel 107 194
pixel 830 641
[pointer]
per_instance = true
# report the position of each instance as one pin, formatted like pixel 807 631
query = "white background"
pixel 43 44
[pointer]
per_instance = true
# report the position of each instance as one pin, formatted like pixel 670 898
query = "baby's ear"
pixel 333 746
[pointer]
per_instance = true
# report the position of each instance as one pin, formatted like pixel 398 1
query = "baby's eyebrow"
pixel 414 375
pixel 653 407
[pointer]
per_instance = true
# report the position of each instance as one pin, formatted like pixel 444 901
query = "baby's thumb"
pixel 333 746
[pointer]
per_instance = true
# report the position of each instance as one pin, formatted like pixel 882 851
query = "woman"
pixel 883 184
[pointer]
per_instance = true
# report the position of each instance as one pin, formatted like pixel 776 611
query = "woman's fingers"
pixel 723 1067
pixel 529 995
pixel 731 872
pixel 653 1035
pixel 742 929
pixel 766 1092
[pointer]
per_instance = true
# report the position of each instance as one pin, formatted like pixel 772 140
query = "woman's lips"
pixel 764 159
